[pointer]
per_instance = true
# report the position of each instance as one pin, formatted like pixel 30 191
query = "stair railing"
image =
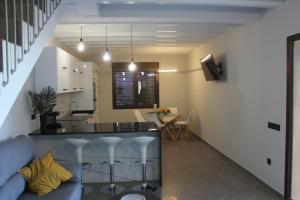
pixel 47 8
pixel 5 82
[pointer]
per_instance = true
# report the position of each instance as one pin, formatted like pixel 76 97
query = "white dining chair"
pixel 162 127
pixel 183 125
pixel 138 115
pixel 174 110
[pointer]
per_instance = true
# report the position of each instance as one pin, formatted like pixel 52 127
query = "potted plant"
pixel 43 104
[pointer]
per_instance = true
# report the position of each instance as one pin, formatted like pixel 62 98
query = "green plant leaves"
pixel 43 102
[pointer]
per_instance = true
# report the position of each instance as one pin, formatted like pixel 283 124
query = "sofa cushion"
pixel 67 191
pixel 15 154
pixel 75 169
pixel 13 188
pixel 44 175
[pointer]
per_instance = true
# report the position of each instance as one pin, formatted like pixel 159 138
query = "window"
pixel 139 89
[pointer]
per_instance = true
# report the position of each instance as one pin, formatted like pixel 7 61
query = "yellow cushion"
pixel 44 175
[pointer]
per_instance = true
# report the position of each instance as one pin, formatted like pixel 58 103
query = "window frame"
pixel 141 66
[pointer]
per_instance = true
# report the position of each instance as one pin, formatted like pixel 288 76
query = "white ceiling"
pixel 170 26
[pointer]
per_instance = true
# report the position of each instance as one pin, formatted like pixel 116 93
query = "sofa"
pixel 17 153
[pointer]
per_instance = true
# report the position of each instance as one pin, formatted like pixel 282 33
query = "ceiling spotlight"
pixel 167 70
pixel 81 46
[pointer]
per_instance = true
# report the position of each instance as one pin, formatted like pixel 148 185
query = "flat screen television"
pixel 211 70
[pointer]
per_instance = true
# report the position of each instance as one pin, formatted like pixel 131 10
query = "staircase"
pixel 25 27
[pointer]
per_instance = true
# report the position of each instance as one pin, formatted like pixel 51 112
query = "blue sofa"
pixel 18 152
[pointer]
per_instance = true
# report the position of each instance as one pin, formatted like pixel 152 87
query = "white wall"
pixel 172 86
pixel 233 114
pixel 19 121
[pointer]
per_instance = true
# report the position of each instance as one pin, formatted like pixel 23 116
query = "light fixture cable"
pixel 80 46
pixel 106 37
pixel 106 56
pixel 131 44
pixel 81 33
pixel 132 65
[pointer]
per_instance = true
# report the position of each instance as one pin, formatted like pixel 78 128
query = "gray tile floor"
pixel 192 170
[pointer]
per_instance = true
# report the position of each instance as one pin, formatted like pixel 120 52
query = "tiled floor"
pixel 192 170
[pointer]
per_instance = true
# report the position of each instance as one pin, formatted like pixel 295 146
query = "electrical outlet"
pixel 269 161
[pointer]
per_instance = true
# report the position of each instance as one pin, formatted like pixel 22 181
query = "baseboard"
pixel 258 179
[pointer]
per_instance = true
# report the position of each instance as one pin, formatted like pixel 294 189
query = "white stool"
pixel 143 143
pixel 79 144
pixel 112 188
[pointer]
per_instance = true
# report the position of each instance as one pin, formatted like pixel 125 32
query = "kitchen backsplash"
pixel 63 104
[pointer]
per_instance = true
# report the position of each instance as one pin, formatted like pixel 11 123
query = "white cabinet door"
pixel 63 80
pixel 67 83
pixel 60 80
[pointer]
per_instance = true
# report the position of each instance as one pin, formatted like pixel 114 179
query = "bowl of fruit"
pixel 163 111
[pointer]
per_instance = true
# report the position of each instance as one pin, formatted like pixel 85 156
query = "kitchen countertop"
pixel 116 127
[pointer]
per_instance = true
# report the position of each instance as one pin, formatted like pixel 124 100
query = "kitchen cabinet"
pixel 60 70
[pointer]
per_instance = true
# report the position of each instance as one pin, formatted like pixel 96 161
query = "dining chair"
pixel 174 110
pixel 162 127
pixel 138 115
pixel 183 125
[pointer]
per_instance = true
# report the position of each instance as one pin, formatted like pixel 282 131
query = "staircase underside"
pixel 10 92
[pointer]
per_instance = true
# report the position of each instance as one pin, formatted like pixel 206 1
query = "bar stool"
pixel 112 188
pixel 143 143
pixel 79 144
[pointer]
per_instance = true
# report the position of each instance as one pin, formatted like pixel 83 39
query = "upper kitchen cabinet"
pixel 60 70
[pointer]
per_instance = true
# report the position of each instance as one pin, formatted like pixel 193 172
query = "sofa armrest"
pixel 75 169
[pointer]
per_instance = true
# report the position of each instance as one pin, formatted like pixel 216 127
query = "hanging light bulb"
pixel 106 56
pixel 132 65
pixel 81 46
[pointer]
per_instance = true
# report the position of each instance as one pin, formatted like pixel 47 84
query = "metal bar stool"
pixel 143 143
pixel 79 144
pixel 112 188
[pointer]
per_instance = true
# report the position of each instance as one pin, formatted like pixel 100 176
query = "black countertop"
pixel 117 127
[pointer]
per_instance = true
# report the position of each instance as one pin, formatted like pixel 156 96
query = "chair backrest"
pixel 154 118
pixel 190 116
pixel 174 110
pixel 138 115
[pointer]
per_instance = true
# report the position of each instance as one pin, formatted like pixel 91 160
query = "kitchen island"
pixel 95 153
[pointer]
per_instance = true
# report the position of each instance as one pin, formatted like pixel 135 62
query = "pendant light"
pixel 132 65
pixel 81 46
pixel 106 56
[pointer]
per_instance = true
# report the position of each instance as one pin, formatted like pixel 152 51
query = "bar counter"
pixel 99 128
pixel 95 152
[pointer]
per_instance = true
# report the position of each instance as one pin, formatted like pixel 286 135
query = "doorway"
pixel 292 170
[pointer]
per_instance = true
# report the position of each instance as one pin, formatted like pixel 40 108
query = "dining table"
pixel 168 121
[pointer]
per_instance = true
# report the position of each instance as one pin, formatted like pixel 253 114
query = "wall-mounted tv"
pixel 211 70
